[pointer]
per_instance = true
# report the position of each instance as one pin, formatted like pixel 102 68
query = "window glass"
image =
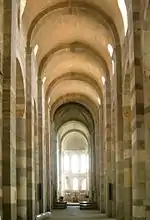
pixel 66 162
pixel 75 164
pixel 84 184
pixel 75 184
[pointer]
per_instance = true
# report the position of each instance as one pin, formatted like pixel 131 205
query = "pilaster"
pixel 9 111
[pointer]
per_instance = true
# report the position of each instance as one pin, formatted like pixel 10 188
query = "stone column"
pixel 90 167
pixel 1 116
pixel 41 145
pixel 29 139
pixel 107 113
pixel 113 160
pixel 119 139
pixel 97 159
pixel 54 163
pixel 101 162
pixel 1 99
pixel 47 138
pixel 137 117
pixel 60 169
pixel 21 168
pixel 36 161
pixel 127 148
pixel 9 111
pixel 147 108
pixel 93 168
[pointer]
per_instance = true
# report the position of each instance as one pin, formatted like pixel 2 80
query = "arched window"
pixel 83 163
pixel 123 9
pixel 84 184
pixel 75 184
pixel 110 49
pixel 22 6
pixel 66 183
pixel 66 162
pixel 75 164
pixel 35 50
pixel 113 67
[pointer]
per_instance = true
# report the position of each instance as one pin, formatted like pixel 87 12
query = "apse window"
pixel 66 162
pixel 84 184
pixel 83 163
pixel 75 164
pixel 123 9
pixel 66 183
pixel 75 184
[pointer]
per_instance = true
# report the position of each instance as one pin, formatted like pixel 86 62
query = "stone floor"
pixel 75 213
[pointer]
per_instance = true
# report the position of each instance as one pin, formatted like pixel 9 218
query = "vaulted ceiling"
pixel 75 44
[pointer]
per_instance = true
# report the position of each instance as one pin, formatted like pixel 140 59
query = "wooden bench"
pixel 44 216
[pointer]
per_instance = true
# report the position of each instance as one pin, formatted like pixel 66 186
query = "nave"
pixel 76 214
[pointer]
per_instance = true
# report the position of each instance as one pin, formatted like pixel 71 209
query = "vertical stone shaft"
pixel 101 163
pixel 113 161
pixel 108 148
pixel 127 149
pixel 119 140
pixel 9 111
pixel 36 162
pixel 137 111
pixel 146 51
pixel 1 116
pixel 97 159
pixel 53 165
pixel 41 144
pixel 47 138
pixel 21 168
pixel 29 140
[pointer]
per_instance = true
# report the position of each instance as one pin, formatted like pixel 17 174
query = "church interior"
pixel 74 109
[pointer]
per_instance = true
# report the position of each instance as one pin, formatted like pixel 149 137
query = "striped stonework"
pixel 29 140
pixel 127 149
pixel 9 112
pixel 147 108
pixel 21 168
pixel 107 121
pixel 147 141
pixel 113 160
pixel 1 99
pixel 137 117
pixel 47 139
pixel 119 142
pixel 101 165
pixel 97 157
pixel 113 144
pixel 36 160
pixel 41 145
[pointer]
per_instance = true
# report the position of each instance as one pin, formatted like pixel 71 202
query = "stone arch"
pixel 20 93
pixel 108 21
pixel 75 76
pixel 75 111
pixel 74 130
